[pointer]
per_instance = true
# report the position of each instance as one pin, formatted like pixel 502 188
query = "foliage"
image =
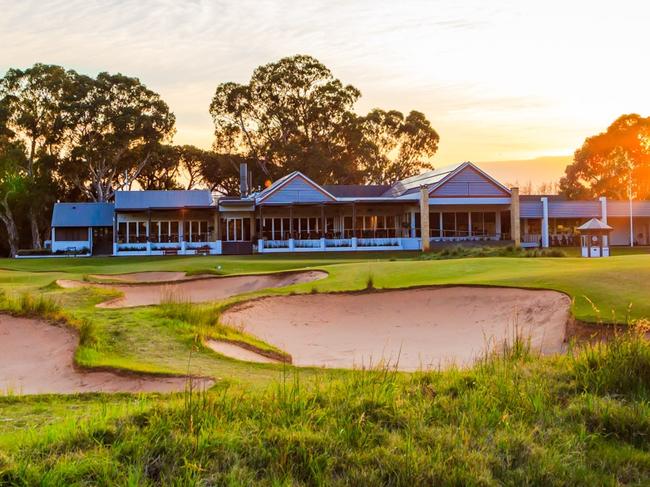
pixel 113 126
pixel 295 115
pixel 607 163
pixel 461 251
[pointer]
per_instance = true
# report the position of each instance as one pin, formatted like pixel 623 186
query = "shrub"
pixel 41 305
pixel 88 334
pixel 33 252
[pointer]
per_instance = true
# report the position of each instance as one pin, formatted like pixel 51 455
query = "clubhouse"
pixel 454 204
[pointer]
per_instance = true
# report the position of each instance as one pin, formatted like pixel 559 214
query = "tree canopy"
pixel 607 163
pixel 295 115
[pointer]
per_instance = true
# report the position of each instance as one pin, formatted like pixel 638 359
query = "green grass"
pixel 576 419
pixel 510 420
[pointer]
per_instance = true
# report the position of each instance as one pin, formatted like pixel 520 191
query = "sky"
pixel 500 80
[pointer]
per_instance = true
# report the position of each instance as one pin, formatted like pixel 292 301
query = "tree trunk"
pixel 7 218
pixel 37 243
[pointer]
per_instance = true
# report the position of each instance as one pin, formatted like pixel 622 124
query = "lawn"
pixel 515 420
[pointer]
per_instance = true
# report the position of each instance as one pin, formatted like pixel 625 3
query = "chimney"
pixel 243 179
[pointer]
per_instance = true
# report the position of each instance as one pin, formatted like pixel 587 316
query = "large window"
pixel 196 231
pixel 483 224
pixel 132 232
pixel 164 231
pixel 71 234
pixel 449 224
pixel 434 225
pixel 236 229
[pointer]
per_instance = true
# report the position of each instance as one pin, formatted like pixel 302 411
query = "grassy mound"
pixel 514 419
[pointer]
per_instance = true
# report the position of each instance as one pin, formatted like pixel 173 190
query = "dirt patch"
pixel 415 329
pixel 235 351
pixel 197 290
pixel 36 357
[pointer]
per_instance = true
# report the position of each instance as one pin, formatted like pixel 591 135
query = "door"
pixel 102 240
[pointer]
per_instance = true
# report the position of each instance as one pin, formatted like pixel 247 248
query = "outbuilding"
pixel 83 228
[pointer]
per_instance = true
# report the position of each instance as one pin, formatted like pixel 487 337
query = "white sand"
pixel 234 351
pixel 37 358
pixel 149 276
pixel 418 328
pixel 198 290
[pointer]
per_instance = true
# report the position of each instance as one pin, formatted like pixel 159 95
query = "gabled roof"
pixel 594 224
pixel 143 200
pixel 82 215
pixel 286 180
pixel 429 178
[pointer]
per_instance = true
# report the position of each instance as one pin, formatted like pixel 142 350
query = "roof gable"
pixel 429 178
pixel 467 180
pixel 294 188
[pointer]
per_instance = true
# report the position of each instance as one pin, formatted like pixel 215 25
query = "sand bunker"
pixel 140 277
pixel 198 290
pixel 37 358
pixel 418 328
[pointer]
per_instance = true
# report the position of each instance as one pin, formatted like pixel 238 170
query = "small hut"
pixel 592 238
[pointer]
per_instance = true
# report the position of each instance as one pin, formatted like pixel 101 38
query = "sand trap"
pixel 423 328
pixel 140 277
pixel 37 357
pixel 234 351
pixel 196 290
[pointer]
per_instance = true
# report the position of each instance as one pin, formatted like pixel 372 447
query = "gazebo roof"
pixel 595 224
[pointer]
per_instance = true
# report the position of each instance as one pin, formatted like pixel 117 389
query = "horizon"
pixel 485 76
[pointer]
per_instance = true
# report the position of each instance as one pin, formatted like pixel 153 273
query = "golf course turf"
pixel 581 418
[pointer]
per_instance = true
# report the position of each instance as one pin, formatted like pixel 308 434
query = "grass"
pixel 514 419
pixel 517 419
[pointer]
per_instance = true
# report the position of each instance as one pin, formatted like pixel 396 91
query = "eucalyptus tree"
pixel 114 125
pixel 33 99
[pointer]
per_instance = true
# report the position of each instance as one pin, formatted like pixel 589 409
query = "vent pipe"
pixel 243 179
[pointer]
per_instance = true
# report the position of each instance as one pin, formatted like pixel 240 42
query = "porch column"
pixel 322 220
pixel 545 242
pixel 412 226
pixel 497 225
pixel 251 228
pixel 217 225
pixel 515 223
pixel 603 218
pixel 354 220
pixel 290 222
pixel 424 218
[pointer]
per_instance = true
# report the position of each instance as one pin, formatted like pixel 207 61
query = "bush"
pixel 33 252
pixel 41 305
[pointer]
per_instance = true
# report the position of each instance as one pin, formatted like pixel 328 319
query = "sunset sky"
pixel 499 80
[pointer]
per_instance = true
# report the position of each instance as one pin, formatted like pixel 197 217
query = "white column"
pixel 545 242
pixel 603 217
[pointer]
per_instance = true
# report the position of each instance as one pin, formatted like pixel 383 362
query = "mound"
pixel 197 290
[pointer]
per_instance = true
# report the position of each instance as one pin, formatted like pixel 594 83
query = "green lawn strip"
pixel 514 420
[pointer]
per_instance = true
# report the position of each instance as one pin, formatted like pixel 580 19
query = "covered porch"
pixel 166 232
pixel 334 226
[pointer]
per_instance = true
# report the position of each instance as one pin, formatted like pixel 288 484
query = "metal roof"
pixel 82 215
pixel 426 178
pixel 594 224
pixel 356 190
pixel 135 200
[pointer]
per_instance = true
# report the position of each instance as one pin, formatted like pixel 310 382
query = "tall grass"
pixel 27 304
pixel 511 420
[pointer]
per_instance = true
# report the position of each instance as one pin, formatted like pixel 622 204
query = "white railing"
pixel 338 243
pixel 378 242
pixel 307 244
pixel 276 244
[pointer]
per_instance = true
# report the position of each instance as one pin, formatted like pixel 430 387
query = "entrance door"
pixel 236 236
pixel 102 240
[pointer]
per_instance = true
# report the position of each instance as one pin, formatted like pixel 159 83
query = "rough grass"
pixel 461 251
pixel 513 419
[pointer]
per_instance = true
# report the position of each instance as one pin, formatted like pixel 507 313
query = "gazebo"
pixel 592 238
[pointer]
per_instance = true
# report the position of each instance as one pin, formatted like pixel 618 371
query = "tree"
pixel 220 172
pixel 402 145
pixel 114 125
pixel 33 98
pixel 607 163
pixel 162 169
pixel 294 115
pixel 12 186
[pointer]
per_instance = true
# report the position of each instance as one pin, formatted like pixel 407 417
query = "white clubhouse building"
pixel 294 214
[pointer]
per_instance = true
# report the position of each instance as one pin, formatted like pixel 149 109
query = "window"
pixel 236 229
pixel 196 231
pixel 434 224
pixel 71 234
pixel 449 224
pixel 462 224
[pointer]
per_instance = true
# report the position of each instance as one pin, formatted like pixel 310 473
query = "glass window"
pixel 121 232
pixel 449 224
pixel 71 234
pixel 434 224
pixel 462 224
pixel 490 223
